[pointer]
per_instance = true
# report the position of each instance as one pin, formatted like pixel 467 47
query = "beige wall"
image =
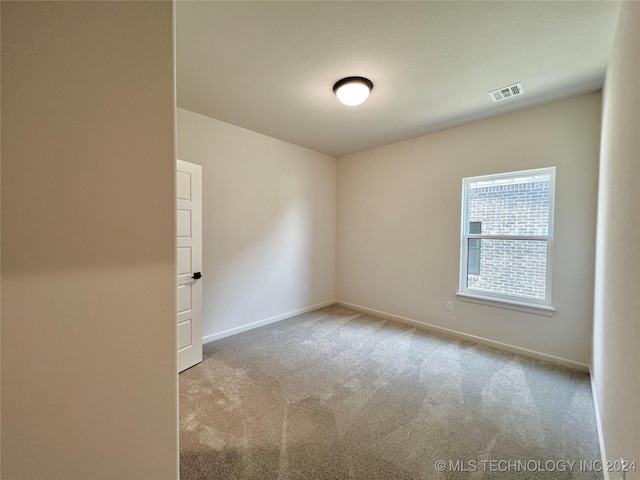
pixel 616 346
pixel 89 384
pixel 398 224
pixel 268 224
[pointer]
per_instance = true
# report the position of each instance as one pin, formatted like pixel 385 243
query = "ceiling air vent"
pixel 506 92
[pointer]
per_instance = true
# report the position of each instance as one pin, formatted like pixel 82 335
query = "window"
pixel 506 239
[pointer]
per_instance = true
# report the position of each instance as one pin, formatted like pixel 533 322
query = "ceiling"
pixel 270 66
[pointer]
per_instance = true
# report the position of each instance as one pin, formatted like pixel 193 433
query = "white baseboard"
pixel 596 407
pixel 473 338
pixel 266 321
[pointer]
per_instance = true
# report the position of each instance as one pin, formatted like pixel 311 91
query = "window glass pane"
pixel 511 206
pixel 475 227
pixel 473 265
pixel 511 267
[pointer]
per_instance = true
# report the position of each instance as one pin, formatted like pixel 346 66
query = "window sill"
pixel 534 308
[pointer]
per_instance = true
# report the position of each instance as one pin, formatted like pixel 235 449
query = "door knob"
pixel 197 276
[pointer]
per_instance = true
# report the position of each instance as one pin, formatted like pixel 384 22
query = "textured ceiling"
pixel 270 66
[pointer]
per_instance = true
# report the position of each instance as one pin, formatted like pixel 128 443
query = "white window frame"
pixel 513 302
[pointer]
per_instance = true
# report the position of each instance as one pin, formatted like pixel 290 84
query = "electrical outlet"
pixel 449 306
pixel 305 289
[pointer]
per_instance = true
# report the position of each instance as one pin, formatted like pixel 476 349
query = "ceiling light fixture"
pixel 353 90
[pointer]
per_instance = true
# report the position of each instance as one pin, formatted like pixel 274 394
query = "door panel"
pixel 184 223
pixel 189 261
pixel 184 298
pixel 185 268
pixel 184 335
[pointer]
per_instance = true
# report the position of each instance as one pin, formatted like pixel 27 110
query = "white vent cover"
pixel 506 92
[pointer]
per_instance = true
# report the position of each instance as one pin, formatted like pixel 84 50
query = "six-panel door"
pixel 189 261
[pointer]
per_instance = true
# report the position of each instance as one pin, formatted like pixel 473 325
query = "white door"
pixel 189 222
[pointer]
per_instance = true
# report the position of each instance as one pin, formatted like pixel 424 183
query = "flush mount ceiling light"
pixel 353 90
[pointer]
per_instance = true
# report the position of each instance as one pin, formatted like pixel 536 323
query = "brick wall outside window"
pixel 508 266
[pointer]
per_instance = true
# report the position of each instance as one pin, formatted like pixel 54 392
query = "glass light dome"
pixel 353 90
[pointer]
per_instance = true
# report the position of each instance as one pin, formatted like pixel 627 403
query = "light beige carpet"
pixel 335 394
